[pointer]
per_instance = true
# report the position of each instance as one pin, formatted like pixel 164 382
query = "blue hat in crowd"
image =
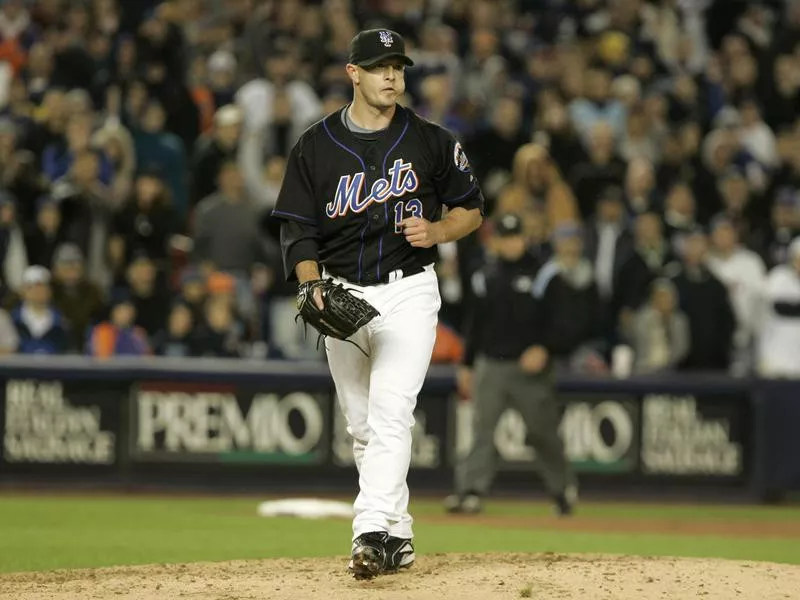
pixel 149 14
pixel 720 220
pixel 67 253
pixel 566 230
pixel 120 295
pixel 151 170
pixel 7 198
pixel 696 231
pixel 732 172
pixel 786 196
pixel 191 275
pixel 46 200
pixel 140 255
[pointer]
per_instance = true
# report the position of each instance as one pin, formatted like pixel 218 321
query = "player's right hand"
pixel 534 359
pixel 464 381
pixel 420 233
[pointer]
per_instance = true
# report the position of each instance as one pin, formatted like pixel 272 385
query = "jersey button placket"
pixel 373 215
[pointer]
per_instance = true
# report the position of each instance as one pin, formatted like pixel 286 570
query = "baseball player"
pixel 362 204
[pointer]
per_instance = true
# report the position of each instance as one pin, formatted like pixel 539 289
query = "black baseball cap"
pixel 611 193
pixel 374 45
pixel 508 224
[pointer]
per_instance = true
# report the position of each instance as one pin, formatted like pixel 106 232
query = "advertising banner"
pixel 780 451
pixel 209 423
pixel 106 424
pixel 695 435
pixel 600 433
pixel 49 422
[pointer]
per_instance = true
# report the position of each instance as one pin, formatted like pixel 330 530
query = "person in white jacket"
pixel 743 273
pixel 280 97
pixel 779 339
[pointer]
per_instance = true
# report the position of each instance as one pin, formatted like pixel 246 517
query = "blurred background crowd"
pixel 657 142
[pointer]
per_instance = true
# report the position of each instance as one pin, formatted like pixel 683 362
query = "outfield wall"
pixel 225 425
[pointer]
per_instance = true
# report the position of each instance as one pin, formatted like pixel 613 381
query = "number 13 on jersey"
pixel 404 210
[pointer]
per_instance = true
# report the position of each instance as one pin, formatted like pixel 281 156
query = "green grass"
pixel 46 533
pixel 644 510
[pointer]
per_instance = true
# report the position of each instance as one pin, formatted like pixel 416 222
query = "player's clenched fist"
pixel 420 232
pixel 534 359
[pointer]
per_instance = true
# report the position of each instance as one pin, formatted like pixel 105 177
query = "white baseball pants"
pixel 378 394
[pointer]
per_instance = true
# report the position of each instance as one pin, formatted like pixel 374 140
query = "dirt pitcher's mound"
pixel 435 577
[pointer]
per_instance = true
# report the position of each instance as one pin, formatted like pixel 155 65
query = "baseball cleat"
pixel 368 555
pixel 565 501
pixel 469 504
pixel 452 503
pixel 399 553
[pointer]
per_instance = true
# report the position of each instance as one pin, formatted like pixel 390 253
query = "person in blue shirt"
pixel 41 328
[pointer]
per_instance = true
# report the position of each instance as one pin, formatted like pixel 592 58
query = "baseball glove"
pixel 343 313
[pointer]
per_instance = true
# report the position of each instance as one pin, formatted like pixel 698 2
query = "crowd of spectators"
pixel 143 144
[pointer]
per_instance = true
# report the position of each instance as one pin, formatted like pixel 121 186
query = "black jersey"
pixel 344 195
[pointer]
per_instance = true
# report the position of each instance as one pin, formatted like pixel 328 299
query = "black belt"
pixel 501 357
pixel 389 277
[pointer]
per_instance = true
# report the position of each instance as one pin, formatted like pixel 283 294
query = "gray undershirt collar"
pixel 348 123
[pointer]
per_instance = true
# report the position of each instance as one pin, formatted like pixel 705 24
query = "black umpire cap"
pixel 374 45
pixel 507 225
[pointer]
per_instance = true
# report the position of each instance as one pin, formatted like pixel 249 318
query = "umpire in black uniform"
pixel 507 342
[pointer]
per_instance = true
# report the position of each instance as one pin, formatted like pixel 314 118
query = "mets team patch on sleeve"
pixel 460 158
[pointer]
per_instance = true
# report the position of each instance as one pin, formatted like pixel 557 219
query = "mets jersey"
pixel 345 193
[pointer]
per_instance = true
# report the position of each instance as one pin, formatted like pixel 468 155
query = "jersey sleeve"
pixel 456 184
pixel 299 242
pixel 296 198
pixel 297 209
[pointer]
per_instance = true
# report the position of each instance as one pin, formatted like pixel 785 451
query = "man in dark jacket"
pixel 494 147
pixel 602 169
pixel 651 253
pixel 78 299
pixel 45 235
pixel 155 145
pixel 213 150
pixel 571 325
pixel 179 338
pixel 609 243
pixel 152 304
pixel 773 240
pixel 511 348
pixel 705 301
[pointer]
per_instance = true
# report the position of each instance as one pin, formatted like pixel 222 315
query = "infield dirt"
pixel 434 577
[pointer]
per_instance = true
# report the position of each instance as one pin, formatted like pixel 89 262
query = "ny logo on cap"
pixel 386 38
